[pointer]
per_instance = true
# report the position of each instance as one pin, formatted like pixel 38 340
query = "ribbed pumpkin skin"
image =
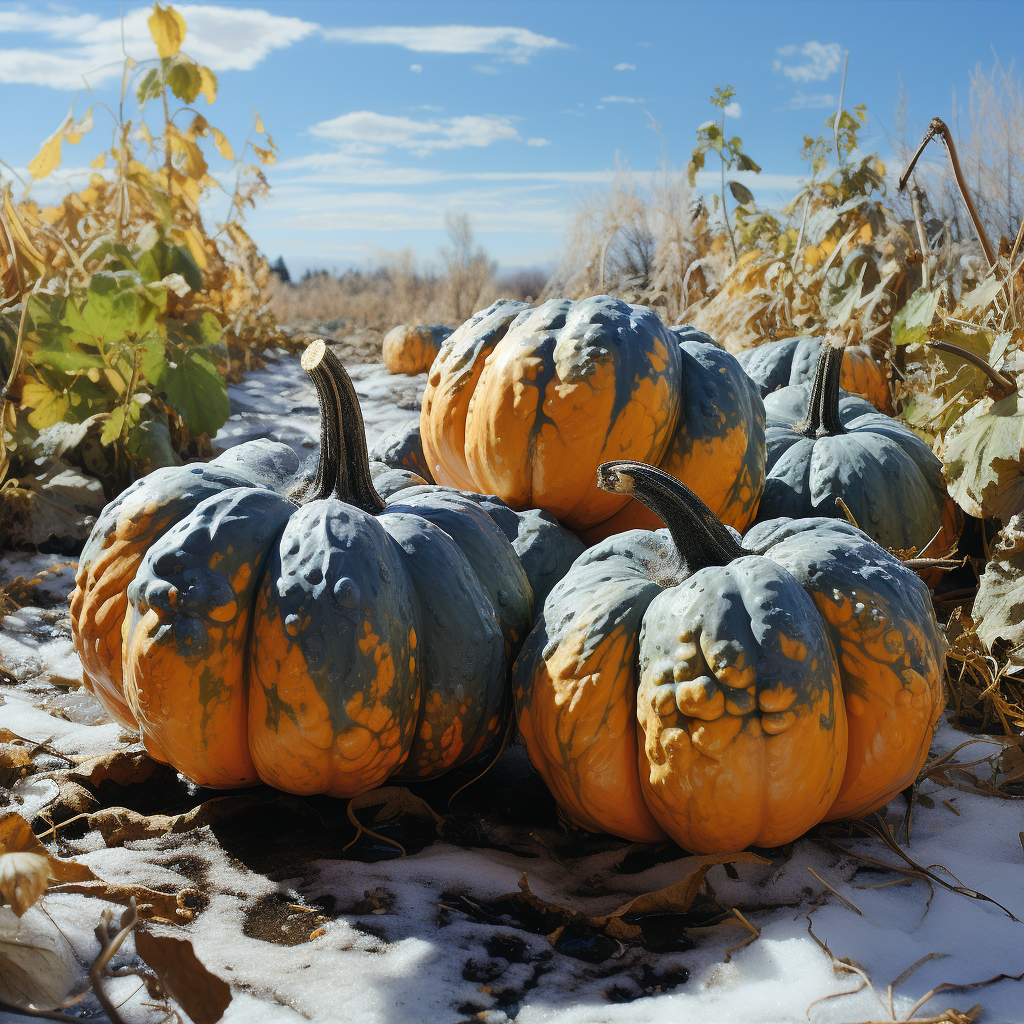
pixel 402 448
pixel 576 679
pixel 740 703
pixel 450 388
pixel 731 675
pixel 777 364
pixel 880 619
pixel 890 480
pixel 411 350
pixel 570 385
pixel 718 448
pixel 124 531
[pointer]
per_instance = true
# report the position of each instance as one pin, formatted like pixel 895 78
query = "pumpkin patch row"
pixel 324 635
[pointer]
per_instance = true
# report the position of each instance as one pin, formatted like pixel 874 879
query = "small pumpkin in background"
pixel 823 444
pixel 411 350
pixel 720 656
pixel 777 364
pixel 317 640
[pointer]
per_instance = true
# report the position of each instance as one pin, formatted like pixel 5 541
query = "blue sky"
pixel 390 114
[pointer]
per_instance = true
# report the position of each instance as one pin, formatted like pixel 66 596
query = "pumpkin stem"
pixel 822 418
pixel 344 468
pixel 699 536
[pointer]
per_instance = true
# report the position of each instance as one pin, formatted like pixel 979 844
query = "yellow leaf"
pixel 48 406
pixel 195 163
pixel 223 146
pixel 194 241
pixel 75 132
pixel 266 156
pixel 209 86
pixel 100 161
pixel 23 878
pixel 167 27
pixel 48 158
pixel 880 168
pixel 258 123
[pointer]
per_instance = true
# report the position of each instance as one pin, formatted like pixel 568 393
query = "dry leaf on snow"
pixel 199 992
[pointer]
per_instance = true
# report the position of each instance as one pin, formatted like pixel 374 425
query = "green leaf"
pixel 198 392
pixel 983 458
pixel 154 361
pixel 149 88
pixel 741 193
pixel 163 259
pixel 67 361
pixel 185 80
pixel 911 323
pixel 998 610
pixel 744 163
pixel 149 444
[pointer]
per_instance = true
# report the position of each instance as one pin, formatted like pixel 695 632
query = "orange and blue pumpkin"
pixel 314 638
pixel 777 364
pixel 526 403
pixel 788 680
pixel 823 445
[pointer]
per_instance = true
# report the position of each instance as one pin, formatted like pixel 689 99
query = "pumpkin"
pixel 526 403
pixel 401 448
pixel 718 447
pixel 823 444
pixel 777 364
pixel 721 657
pixel 320 641
pixel 124 532
pixel 411 350
pixel 891 651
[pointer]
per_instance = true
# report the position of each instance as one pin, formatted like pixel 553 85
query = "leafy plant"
pixel 122 313
pixel 711 136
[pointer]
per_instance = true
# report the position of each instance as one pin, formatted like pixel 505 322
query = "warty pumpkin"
pixel 777 364
pixel 325 643
pixel 411 350
pixel 526 403
pixel 719 655
pixel 823 444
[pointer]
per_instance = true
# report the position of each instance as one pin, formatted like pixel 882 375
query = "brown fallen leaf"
pixel 23 879
pixel 123 767
pixel 16 836
pixel 198 991
pixel 678 897
pixel 152 905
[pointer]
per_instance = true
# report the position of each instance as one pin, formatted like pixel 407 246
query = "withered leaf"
pixel 23 878
pixel 199 992
pixel 999 607
pixel 32 976
pixel 16 836
pixel 152 905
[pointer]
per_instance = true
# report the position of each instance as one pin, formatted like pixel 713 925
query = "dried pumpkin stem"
pixel 822 418
pixel 344 468
pixel 699 536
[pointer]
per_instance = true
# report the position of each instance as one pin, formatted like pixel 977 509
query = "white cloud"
pixel 814 102
pixel 366 132
pixel 417 68
pixel 537 142
pixel 625 67
pixel 823 61
pixel 623 99
pixel 733 110
pixel 224 38
pixel 514 44
pixel 486 69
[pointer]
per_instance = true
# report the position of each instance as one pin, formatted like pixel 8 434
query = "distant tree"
pixel 278 267
pixel 468 268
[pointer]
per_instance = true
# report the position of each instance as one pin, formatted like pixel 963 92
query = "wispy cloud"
pixel 536 141
pixel 822 61
pixel 625 67
pixel 623 99
pixel 224 38
pixel 733 110
pixel 517 45
pixel 417 68
pixel 817 101
pixel 367 132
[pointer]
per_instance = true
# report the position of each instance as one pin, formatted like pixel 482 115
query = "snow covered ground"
pixel 306 932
